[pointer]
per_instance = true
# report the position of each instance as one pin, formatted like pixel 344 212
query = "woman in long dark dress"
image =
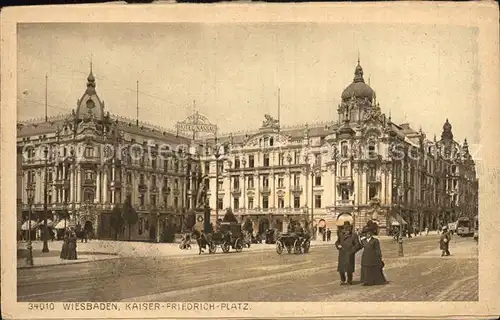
pixel 72 246
pixel 371 261
pixel 64 249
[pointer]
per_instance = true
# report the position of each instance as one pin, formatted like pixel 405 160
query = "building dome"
pixel 90 106
pixel 358 88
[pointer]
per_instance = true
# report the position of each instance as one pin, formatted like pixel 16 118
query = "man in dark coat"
pixel 346 244
pixel 444 242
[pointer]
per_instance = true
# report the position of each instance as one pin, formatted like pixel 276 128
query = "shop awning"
pixel 50 223
pixel 25 225
pixel 395 220
pixel 64 223
pixel 344 217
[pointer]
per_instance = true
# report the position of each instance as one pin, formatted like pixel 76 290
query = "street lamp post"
pixel 30 191
pixel 217 155
pixel 45 228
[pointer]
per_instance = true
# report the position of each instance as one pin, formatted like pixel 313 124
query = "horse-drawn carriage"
pixel 293 243
pixel 228 236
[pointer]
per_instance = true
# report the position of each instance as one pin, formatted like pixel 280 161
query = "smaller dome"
pixel 358 88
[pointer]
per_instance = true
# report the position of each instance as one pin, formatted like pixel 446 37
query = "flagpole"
pixel 279 107
pixel 46 117
pixel 137 105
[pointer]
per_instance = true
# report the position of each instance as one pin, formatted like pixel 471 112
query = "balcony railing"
pixel 266 190
pixel 345 202
pixel 344 179
pixel 373 179
pixel 236 191
pixel 297 189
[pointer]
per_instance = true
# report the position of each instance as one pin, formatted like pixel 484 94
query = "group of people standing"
pixel 348 244
pixel 68 250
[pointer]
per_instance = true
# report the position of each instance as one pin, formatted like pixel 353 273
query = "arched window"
pixel 344 149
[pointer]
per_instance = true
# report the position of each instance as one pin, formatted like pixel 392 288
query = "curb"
pixel 109 257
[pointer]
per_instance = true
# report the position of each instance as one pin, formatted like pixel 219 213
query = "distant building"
pixel 363 167
pixel 85 182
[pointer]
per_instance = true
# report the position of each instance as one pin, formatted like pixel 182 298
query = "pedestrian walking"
pixel 371 260
pixel 328 235
pixel 444 242
pixel 347 242
pixel 64 248
pixel 72 246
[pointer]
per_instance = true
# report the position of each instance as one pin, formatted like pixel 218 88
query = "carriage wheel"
pixel 289 249
pixel 212 248
pixel 296 247
pixel 279 247
pixel 238 245
pixel 226 247
pixel 307 245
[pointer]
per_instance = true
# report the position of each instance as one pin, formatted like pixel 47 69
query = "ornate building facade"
pixel 95 161
pixel 362 167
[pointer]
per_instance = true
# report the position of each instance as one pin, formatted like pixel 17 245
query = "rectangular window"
pixel 236 183
pixel 236 203
pixel 221 185
pixel 372 192
pixel 317 160
pixel 265 202
pixel 153 163
pixel 281 182
pixel 207 167
pixel 344 148
pixel 266 160
pixel 281 159
pixel 281 203
pixel 251 161
pixel 250 203
pixel 236 163
pixel 165 165
pixel 129 178
pixel 141 179
pixel 153 181
pixel 265 181
pixel 317 201
pixel 296 202
pixel 153 200
pixel 176 184
pixel 176 202
pixel 296 158
pixel 296 180
pixel 317 180
pixel 141 199
pixel 345 194
pixel 89 152
pixel 250 182
pixel 220 203
pixel 343 170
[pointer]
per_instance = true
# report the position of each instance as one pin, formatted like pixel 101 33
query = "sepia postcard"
pixel 250 161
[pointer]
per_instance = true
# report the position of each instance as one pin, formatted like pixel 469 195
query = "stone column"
pixel 105 186
pixel 98 189
pixel 256 183
pixel 71 185
pixel 78 184
pixel 272 196
pixel 383 184
pixel 285 224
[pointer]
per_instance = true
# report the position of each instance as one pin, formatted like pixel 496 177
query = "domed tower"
pixel 90 106
pixel 357 98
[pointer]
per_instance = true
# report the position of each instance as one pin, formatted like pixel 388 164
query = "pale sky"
pixel 422 75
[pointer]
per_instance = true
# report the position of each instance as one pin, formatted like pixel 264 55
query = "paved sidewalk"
pixel 55 261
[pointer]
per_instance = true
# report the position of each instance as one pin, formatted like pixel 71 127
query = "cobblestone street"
pixel 421 275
